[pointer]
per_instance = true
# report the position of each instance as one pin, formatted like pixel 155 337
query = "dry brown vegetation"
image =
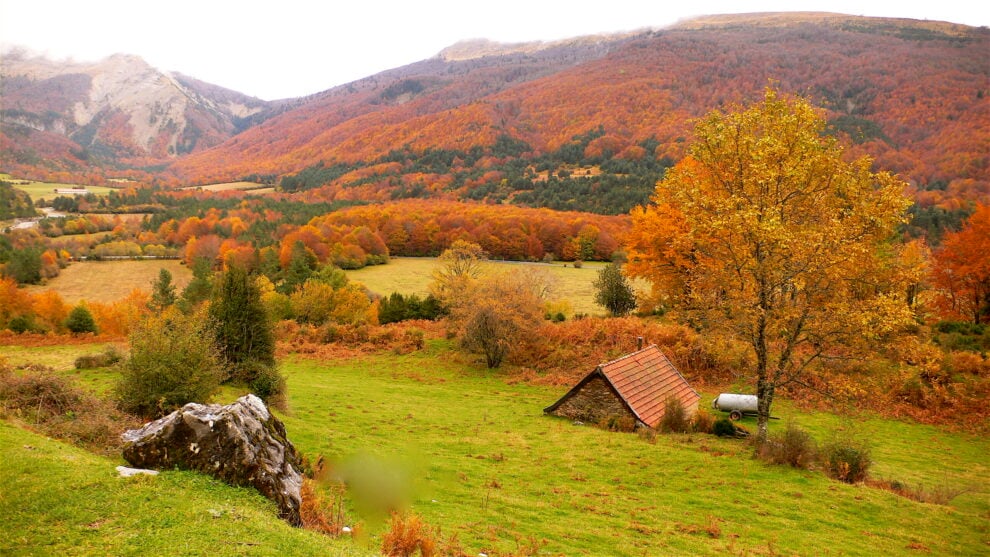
pixel 110 281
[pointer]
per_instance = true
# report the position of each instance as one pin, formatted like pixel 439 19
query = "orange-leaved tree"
pixel 961 273
pixel 764 233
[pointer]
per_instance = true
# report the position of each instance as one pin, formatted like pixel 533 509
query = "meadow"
pixel 46 190
pixel 253 188
pixel 412 275
pixel 110 281
pixel 473 455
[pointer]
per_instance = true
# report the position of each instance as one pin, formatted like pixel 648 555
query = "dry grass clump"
pixel 55 406
pixel 793 447
pixel 322 511
pixel 408 535
pixel 675 418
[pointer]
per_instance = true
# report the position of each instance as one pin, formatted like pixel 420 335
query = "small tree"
pixel 24 265
pixel 495 316
pixel 767 234
pixel 199 288
pixel 459 266
pixel 612 291
pixel 80 320
pixel 962 270
pixel 162 291
pixel 173 360
pixel 302 263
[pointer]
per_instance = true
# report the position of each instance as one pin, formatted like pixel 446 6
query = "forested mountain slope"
pixel 911 94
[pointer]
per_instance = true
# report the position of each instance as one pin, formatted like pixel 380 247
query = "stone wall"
pixel 594 403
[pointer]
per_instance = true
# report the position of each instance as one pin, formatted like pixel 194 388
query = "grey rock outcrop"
pixel 241 444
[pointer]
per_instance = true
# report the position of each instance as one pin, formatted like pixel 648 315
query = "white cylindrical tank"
pixel 736 405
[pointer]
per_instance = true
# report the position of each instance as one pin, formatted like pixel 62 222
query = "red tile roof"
pixel 645 379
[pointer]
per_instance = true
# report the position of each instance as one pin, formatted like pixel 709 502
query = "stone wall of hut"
pixel 595 403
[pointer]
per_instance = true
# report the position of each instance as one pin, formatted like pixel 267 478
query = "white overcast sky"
pixel 289 48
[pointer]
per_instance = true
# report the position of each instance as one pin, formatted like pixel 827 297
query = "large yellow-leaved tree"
pixel 765 233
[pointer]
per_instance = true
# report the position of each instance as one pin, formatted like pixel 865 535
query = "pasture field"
pixel 412 275
pixel 474 455
pixel 109 281
pixel 46 190
pixel 233 186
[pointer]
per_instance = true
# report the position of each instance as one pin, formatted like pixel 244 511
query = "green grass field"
pixel 45 190
pixel 412 275
pixel 60 500
pixel 476 457
pixel 109 281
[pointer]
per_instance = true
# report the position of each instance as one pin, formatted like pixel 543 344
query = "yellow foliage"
pixel 766 233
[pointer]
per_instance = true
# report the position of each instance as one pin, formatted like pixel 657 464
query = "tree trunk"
pixel 764 400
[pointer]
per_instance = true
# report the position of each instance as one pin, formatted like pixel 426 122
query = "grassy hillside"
pixel 476 457
pixel 494 470
pixel 60 500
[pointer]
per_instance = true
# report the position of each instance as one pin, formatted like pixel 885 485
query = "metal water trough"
pixel 736 405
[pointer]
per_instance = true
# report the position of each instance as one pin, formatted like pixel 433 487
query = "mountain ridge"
pixel 119 107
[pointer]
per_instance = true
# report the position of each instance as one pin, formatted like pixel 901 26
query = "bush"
pixel 57 407
pixel 625 424
pixel 794 447
pixel 675 418
pixel 723 427
pixel 264 380
pixel 80 320
pixel 967 363
pixel 173 360
pixel 93 361
pixel 704 422
pixel 408 534
pixel 24 324
pixel 320 513
pixel 846 460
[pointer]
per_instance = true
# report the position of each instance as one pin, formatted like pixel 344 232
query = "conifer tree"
pixel 162 291
pixel 199 287
pixel 80 320
pixel 244 332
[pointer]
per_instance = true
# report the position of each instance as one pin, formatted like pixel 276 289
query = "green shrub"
pixel 723 427
pixel 264 380
pixel 23 324
pixel 80 320
pixel 173 360
pixel 846 460
pixel 793 447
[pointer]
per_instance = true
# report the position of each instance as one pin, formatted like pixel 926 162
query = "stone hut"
pixel 634 386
